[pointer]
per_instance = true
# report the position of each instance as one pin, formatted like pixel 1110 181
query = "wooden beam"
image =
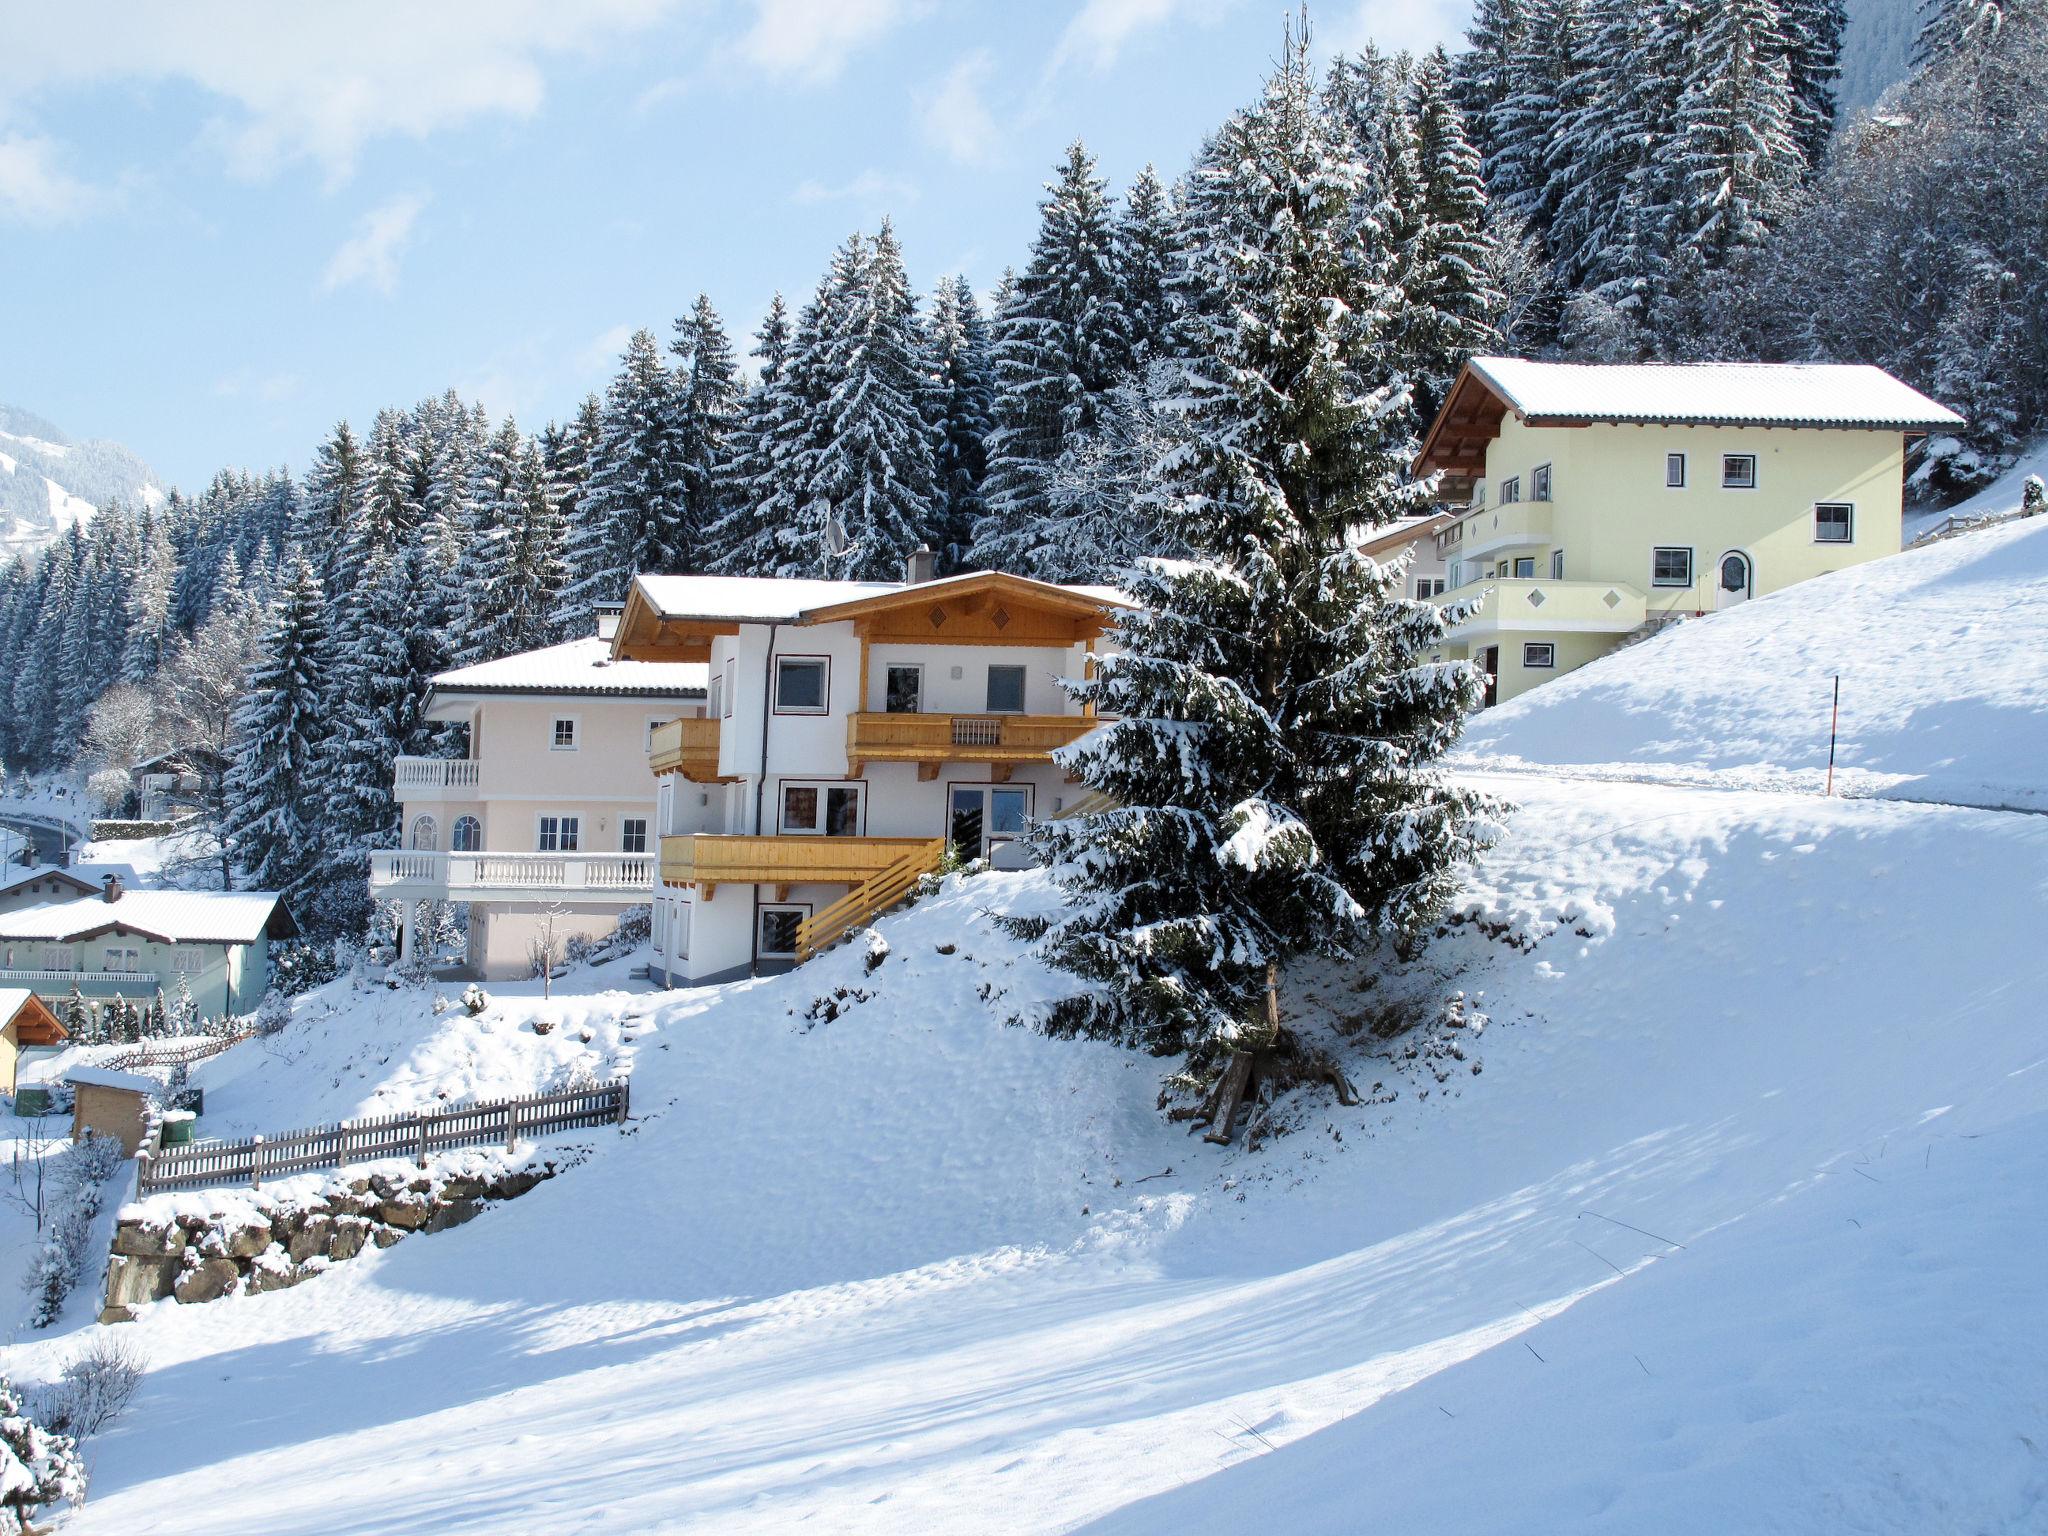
pixel 782 893
pixel 999 773
pixel 926 772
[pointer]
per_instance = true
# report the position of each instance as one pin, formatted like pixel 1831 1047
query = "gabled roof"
pixel 30 1018
pixel 14 881
pixel 1838 395
pixel 170 917
pixel 748 599
pixel 577 666
pixel 1400 533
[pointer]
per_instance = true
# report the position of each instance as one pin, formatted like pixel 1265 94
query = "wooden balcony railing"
pixel 688 747
pixel 961 738
pixel 709 861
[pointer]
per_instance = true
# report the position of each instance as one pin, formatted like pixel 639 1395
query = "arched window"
pixel 424 833
pixel 469 835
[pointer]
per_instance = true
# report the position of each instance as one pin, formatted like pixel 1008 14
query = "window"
pixel 1006 690
pixel 468 835
pixel 827 810
pixel 1539 654
pixel 679 944
pixel 1525 567
pixel 904 690
pixel 800 683
pixel 1429 586
pixel 424 833
pixel 558 834
pixel 1674 471
pixel 1510 489
pixel 189 960
pixel 981 815
pixel 1834 522
pixel 715 704
pixel 1738 471
pixel 565 734
pixel 778 931
pixel 633 834
pixel 57 958
pixel 1539 483
pixel 119 958
pixel 1557 565
pixel 1501 568
pixel 1671 568
pixel 725 688
pixel 1454 534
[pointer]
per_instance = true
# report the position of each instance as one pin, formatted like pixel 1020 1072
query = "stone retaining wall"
pixel 198 1248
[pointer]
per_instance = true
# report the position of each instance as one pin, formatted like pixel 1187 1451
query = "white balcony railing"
pixel 38 980
pixel 418 773
pixel 454 875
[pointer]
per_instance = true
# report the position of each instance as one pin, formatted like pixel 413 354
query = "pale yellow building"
pixel 1594 502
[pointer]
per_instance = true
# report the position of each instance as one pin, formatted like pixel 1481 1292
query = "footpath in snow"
pixel 1729 1217
pixel 1942 654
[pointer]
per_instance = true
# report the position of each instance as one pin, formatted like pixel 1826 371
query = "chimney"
pixel 608 619
pixel 110 888
pixel 923 565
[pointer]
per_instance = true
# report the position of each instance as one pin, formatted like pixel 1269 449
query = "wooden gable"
pixel 34 1024
pixel 644 635
pixel 1457 440
pixel 990 608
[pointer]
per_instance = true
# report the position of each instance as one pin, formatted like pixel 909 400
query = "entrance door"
pixel 1735 581
pixel 1489 663
pixel 981 815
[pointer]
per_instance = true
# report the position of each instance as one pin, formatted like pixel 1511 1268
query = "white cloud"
pixel 811 40
pixel 1416 25
pixel 955 117
pixel 1098 32
pixel 869 187
pixel 370 255
pixel 602 352
pixel 32 187
pixel 318 82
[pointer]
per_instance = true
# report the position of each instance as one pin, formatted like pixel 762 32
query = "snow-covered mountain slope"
pixel 48 482
pixel 1943 658
pixel 1738 1227
pixel 1877 51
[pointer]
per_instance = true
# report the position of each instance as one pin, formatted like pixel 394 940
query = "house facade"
pixel 548 820
pixel 1593 503
pixel 1416 540
pixel 854 731
pixel 131 945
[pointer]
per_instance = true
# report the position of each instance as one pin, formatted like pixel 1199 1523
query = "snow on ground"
pixel 905 1269
pixel 2001 498
pixel 1943 658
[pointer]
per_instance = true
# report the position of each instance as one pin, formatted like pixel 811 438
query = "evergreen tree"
pixel 148 605
pixel 1813 32
pixel 1737 155
pixel 1276 715
pixel 629 518
pixel 515 586
pixel 737 540
pixel 333 501
pixel 961 396
pixel 37 1466
pixel 707 407
pixel 1146 239
pixel 1060 343
pixel 1452 302
pixel 566 453
pixel 272 810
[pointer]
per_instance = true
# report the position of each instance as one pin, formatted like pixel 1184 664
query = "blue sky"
pixel 225 226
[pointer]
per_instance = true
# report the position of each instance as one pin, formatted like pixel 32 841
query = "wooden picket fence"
pixel 178 1051
pixel 361 1141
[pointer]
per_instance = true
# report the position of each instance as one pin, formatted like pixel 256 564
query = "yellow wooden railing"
pixel 688 747
pixel 707 859
pixel 881 738
pixel 872 897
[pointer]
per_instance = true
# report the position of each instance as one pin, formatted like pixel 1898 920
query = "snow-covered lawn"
pixel 897 1271
pixel 1943 658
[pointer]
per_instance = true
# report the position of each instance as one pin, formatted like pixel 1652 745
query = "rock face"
pixel 203 1258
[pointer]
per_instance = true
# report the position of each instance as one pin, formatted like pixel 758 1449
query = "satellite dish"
pixel 836 541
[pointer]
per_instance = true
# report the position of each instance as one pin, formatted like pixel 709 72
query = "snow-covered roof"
pixel 1721 394
pixel 172 917
pixel 104 1077
pixel 579 666
pixel 21 877
pixel 1400 531
pixel 768 599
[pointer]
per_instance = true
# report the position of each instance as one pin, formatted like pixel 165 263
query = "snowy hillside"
pixel 905 1269
pixel 1943 657
pixel 48 482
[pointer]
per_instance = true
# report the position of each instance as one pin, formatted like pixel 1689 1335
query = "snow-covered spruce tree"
pixel 332 502
pixel 1736 155
pixel 1147 235
pixel 961 396
pixel 1453 304
pixel 1277 717
pixel 1060 342
pixel 628 517
pixel 707 409
pixel 272 810
pixel 566 453
pixel 735 542
pixel 37 1466
pixel 1813 33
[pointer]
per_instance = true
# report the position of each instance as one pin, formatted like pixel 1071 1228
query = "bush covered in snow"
pixel 273 1014
pixel 299 967
pixel 38 1466
pixel 65 1252
pixel 94 1390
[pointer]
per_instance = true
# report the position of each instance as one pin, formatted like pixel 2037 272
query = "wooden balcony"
pixel 930 740
pixel 688 747
pixel 708 861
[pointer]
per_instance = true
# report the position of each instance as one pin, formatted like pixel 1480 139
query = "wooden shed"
pixel 25 1020
pixel 109 1103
